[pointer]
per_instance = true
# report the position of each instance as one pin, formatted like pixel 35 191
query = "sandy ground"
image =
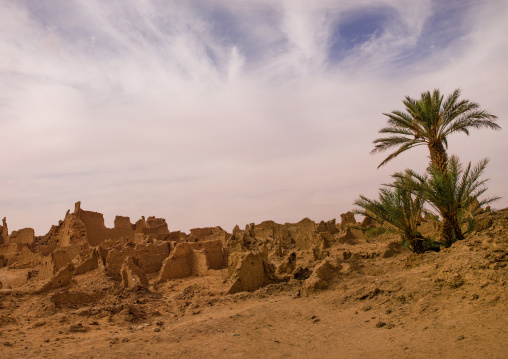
pixel 451 304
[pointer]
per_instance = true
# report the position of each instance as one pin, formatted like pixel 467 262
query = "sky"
pixel 220 112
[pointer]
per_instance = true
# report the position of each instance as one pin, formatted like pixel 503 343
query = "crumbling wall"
pixel 25 235
pixel 87 261
pixel 215 252
pixel 57 260
pixel 269 230
pixel 250 271
pixel 346 219
pixel 148 257
pixel 328 226
pixel 303 233
pixel 156 228
pixel 178 264
pixel 140 224
pixel 196 258
pixel 72 232
pixel 4 231
pixel 207 234
pixel 10 250
pixel 123 223
pixel 281 239
pixel 116 259
pixel 96 231
pixel 177 236
pixel 106 246
pixel 254 237
pixel 288 265
pixel 196 234
pixel 25 259
pixel 151 256
pixel 133 277
pixel 200 263
pixel 61 279
pixel 123 230
pixel 321 276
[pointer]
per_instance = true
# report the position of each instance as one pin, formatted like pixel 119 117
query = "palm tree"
pixel 398 208
pixel 429 121
pixel 450 193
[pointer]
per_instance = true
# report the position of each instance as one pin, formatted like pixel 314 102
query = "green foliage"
pixel 451 191
pixel 429 120
pixel 452 194
pixel 374 232
pixel 400 209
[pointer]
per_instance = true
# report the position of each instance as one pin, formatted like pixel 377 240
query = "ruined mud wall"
pixel 123 230
pixel 4 231
pixel 128 252
pixel 97 232
pixel 17 246
pixel 25 235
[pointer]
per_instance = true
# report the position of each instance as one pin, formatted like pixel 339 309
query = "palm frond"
pixel 401 149
pixel 397 208
pixel 449 193
pixel 430 119
pixel 385 143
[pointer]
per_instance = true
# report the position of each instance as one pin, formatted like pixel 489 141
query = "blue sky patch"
pixel 445 26
pixel 357 27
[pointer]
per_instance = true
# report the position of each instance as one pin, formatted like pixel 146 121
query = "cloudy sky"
pixel 220 112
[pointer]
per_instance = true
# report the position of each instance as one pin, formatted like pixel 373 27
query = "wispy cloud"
pixel 218 113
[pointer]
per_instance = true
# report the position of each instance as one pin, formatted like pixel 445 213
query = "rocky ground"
pixel 368 298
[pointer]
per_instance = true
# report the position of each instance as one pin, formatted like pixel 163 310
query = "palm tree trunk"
pixel 438 156
pixel 417 245
pixel 451 231
pixel 447 232
pixel 439 159
pixel 457 231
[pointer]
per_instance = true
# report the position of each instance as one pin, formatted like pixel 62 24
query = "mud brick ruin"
pixel 81 243
pixel 144 254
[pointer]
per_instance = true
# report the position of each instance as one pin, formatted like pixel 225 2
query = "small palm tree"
pixel 451 193
pixel 429 121
pixel 398 208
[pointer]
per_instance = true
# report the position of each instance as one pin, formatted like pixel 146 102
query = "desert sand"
pixel 303 290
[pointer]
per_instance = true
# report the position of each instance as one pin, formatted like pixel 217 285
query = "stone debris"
pixel 392 248
pixel 288 265
pixel 78 328
pixel 483 223
pixel 66 297
pixel 321 276
pixel 250 271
